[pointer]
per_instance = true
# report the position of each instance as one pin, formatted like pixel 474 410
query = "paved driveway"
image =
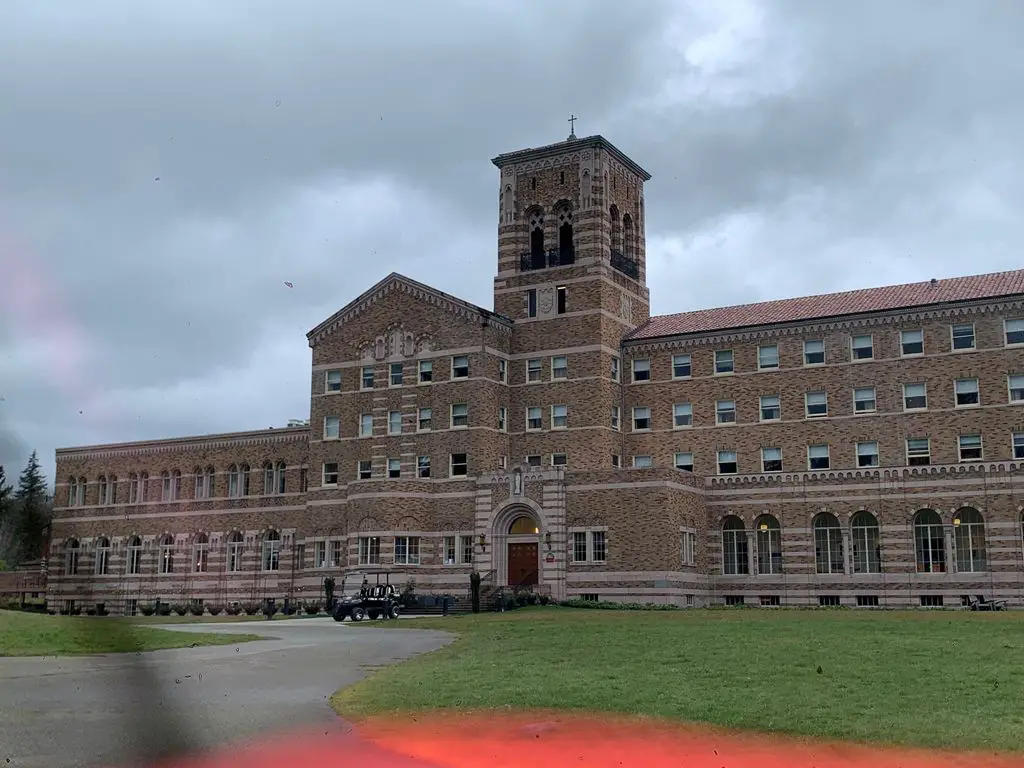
pixel 103 710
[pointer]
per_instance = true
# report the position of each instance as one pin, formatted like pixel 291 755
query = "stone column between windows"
pixel 751 552
pixel 847 552
pixel 950 549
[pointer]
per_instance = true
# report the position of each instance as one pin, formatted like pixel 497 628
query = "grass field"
pixel 31 634
pixel 222 618
pixel 933 679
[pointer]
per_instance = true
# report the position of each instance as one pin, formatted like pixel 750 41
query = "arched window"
pixel 133 488
pixel 211 486
pixel 143 486
pixel 234 482
pixel 734 547
pixel 281 476
pixel 134 555
pixel 112 489
pixel 268 479
pixel 969 539
pixel 243 479
pixel 867 552
pixel 201 552
pixel 566 244
pixel 71 550
pixel 102 556
pixel 72 491
pixel 200 483
pixel 628 237
pixel 929 542
pixel 272 551
pixel 165 486
pixel 167 554
pixel 236 545
pixel 616 229
pixel 523 525
pixel 536 224
pixel 828 544
pixel 769 544
pixel 101 484
pixel 83 484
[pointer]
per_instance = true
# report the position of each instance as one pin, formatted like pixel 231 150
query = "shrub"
pixel 251 609
pixel 147 609
pixel 233 610
pixel 215 608
pixel 196 608
pixel 606 605
pixel 270 609
pixel 312 608
pixel 544 599
pixel 101 610
pixel 90 611
pixel 164 610
pixel 180 608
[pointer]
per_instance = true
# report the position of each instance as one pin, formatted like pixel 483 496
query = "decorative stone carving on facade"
pixel 586 189
pixel 626 308
pixel 506 204
pixel 546 301
pixel 547 162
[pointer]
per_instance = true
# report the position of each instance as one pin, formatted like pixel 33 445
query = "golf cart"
pixel 370 601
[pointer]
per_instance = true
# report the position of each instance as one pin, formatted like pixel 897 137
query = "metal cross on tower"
pixel 572 126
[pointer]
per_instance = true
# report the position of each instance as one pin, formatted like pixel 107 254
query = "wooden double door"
pixel 523 564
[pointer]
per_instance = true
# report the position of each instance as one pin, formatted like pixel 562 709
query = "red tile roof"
pixel 866 300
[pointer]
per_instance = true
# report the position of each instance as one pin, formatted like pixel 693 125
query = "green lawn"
pixel 937 679
pixel 221 618
pixel 32 634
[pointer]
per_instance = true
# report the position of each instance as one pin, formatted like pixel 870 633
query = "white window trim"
pixel 551 364
pixel 642 456
pixel 616 418
pixel 981 446
pixel 502 418
pixel 422 367
pixel 649 418
pixel 874 399
pixel 977 381
pixel 824 356
pixel 419 420
pixel 828 455
pixel 650 370
pixel 900 341
pixel 338 421
pixel 391 384
pixel 458 536
pixel 857 454
pixel 1009 389
pixel 359 469
pixel 365 434
pixel 362 380
pixel 974 338
pixel 689 553
pixel 539 410
pixel 590 531
pixel 616 369
pixel 760 408
pixel 807 404
pixel 714 362
pixel 674 415
pixel 559 453
pixel 735 414
pixel 323 475
pixel 915 383
pixel 1013 438
pixel 778 358
pixel 781 459
pixel 327 381
pixel 452 368
pixel 687 376
pixel 718 463
pixel 675 464
pixel 1005 331
pixel 390 430
pixel 854 336
pixel 503 371
pixel 906 450
pixel 451 416
pixel 540 371
pixel 451 465
pixel 552 416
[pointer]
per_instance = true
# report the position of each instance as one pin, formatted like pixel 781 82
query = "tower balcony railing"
pixel 553 257
pixel 625 265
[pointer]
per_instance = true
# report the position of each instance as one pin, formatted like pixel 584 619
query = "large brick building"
pixel 861 448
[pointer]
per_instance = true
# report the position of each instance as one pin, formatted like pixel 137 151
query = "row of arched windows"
pixel 969 547
pixel 623 233
pixel 141 487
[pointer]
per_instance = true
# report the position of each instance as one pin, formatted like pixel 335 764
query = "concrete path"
pixel 83 712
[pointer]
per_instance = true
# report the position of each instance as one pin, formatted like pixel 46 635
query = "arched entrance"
pixel 523 552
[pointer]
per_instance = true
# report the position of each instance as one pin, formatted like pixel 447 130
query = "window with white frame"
pixel 394 467
pixel 969 541
pixel 531 302
pixel 337 559
pixel 864 400
pixel 727 463
pixel 816 404
pixel 970 447
pixel 534 417
pixel 867 454
pixel 320 554
pixel 503 370
pixel 1015 384
pixel 272 551
pixel 366 377
pixel 71 552
pixel 915 396
pixel 559 416
pixel 616 461
pixel 332 381
pixel 503 461
pixel 689 547
pixel 771 459
pixel 425 419
pixel 364 469
pixel 912 342
pixel 394 422
pixel 396 374
pixel 102 556
pixel 238 480
pixel 423 467
pixel 559 460
pixel 768 357
pixel 725 411
pixel 460 415
pixel 770 408
pixel 458 465
pixel 460 367
pixel 643 462
pixel 723 361
pixel 1017 443
pixel 407 550
pixel 919 451
pixel 683 460
pixel 533 460
pixel 814 352
pixel 967 392
pixel 533 370
pixel 502 418
pixel 236 548
pixel 818 457
pixel 365 424
pixel 369 550
pixel 589 547
pixel 616 369
pixel 828 544
pixel 167 554
pixel 332 427
pixel 641 418
pixel 616 419
pixel 642 370
pixel 1014 331
pixel 274 478
pixel 426 371
pixel 457 550
pixel 330 473
pixel 134 555
pixel 682 415
pixel 962 336
pixel 681 367
pixel 867 553
pixel 560 367
pixel 862 347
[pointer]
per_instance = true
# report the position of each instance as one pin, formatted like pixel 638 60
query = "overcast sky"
pixel 165 167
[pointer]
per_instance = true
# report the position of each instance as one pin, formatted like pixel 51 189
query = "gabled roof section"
pixel 865 301
pixel 560 148
pixel 396 282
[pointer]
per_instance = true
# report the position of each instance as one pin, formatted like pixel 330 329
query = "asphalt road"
pixel 111 710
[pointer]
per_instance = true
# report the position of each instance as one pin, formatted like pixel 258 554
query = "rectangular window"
pixel 365 469
pixel 366 378
pixel 559 460
pixel 963 336
pixel 1014 331
pixel 681 368
pixel 449 550
pixel 771 459
pixel 365 424
pixel 320 554
pixel 1015 383
pixel 642 370
pixel 642 462
pixel 579 546
pixel 725 412
pixel 332 427
pixel 723 361
pixel 330 473
pixel 689 548
pixel 817 457
pixel 460 367
pixel 598 548
pixel 727 464
pixel 467 548
pixel 616 460
pixel 396 375
pixel 768 357
pixel 615 417
pixel 425 419
pixel 867 454
pixel 459 466
pixel 919 451
pixel 336 555
pixel 561 299
pixel 560 367
pixel 460 415
pixel 426 371
pixel 407 550
pixel 966 391
pixel 394 468
pixel 864 400
pixel 912 342
pixel 863 347
pixel 616 369
pixel 394 422
pixel 970 447
pixel 771 408
pixel 533 460
pixel 332 381
pixel 369 550
pixel 534 418
pixel 682 415
pixel 533 370
pixel 502 418
pixel 915 397
pixel 422 466
pixel 531 302
pixel 503 371
pixel 684 460
pixel 1018 445
pixel 559 416
pixel 641 418
pixel 816 404
pixel 503 461
pixel 814 352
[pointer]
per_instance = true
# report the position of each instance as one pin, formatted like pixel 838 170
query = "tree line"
pixel 25 515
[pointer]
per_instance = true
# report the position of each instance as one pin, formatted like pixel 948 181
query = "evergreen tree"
pixel 6 519
pixel 32 511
